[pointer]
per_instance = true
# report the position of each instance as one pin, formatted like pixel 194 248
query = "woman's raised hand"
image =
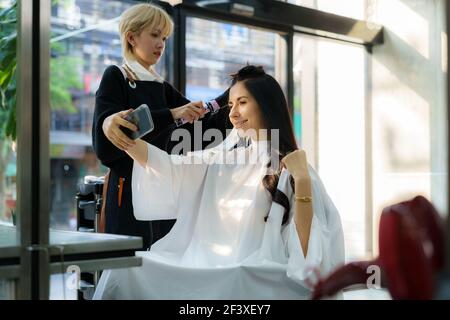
pixel 190 112
pixel 297 164
pixel 111 129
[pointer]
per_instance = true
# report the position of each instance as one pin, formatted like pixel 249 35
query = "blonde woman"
pixel 144 30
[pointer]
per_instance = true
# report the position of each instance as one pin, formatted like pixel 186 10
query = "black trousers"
pixel 159 228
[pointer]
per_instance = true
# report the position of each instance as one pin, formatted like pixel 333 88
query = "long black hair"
pixel 274 109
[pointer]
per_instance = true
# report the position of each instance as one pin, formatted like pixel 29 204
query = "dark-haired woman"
pixel 253 222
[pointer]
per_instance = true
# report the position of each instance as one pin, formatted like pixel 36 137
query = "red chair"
pixel 411 245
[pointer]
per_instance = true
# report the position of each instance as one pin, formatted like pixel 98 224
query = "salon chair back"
pixel 411 246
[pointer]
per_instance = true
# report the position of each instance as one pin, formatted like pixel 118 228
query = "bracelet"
pixel 303 199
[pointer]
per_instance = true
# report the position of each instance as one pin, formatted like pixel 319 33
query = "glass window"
pixel 214 50
pixel 349 8
pixel 8 147
pixel 341 136
pixel 329 120
pixel 374 156
pixel 409 106
pixel 84 41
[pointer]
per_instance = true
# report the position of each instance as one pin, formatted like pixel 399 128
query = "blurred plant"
pixel 64 78
pixel 8 63
pixel 64 75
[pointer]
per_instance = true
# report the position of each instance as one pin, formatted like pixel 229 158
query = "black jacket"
pixel 115 94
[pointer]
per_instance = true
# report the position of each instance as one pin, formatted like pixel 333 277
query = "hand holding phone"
pixel 142 119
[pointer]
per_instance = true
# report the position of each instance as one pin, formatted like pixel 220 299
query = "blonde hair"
pixel 139 17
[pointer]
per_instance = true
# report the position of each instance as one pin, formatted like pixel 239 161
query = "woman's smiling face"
pixel 245 113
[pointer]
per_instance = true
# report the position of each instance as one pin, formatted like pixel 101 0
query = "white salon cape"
pixel 220 246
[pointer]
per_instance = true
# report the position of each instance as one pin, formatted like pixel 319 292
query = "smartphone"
pixel 142 119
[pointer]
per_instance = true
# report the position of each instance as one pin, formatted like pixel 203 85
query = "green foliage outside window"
pixel 64 77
